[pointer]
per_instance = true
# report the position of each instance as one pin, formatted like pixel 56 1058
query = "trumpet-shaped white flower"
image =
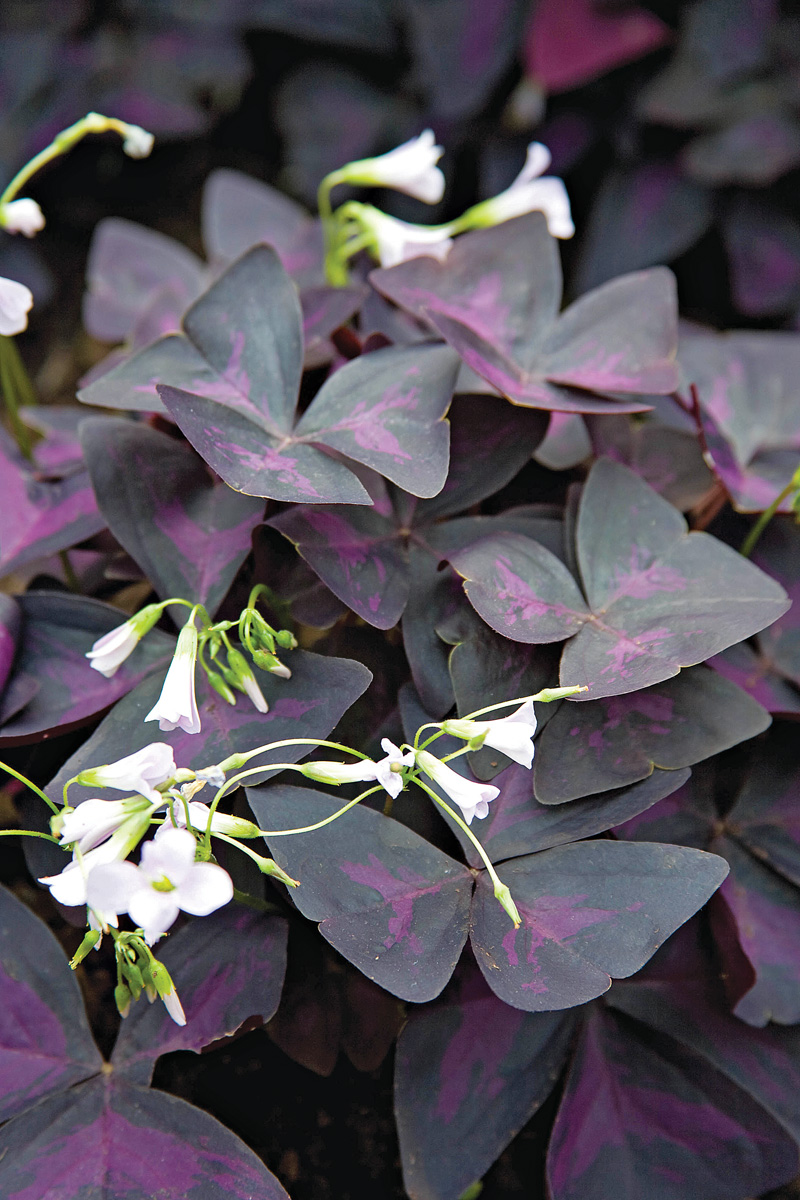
pixel 472 798
pixel 387 772
pixel 168 881
pixel 396 241
pixel 510 735
pixel 198 816
pixel 95 820
pixel 137 142
pixel 140 772
pixel 16 302
pixel 110 651
pixel 22 216
pixel 176 707
pixel 69 886
pixel 530 193
pixel 410 168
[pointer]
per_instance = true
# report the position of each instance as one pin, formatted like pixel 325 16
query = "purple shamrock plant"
pixel 376 502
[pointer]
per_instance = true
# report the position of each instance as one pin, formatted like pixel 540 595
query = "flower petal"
pixel 205 889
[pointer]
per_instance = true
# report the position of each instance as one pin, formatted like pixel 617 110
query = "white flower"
pixel 16 302
pixel 397 241
pixel 335 773
pixel 95 820
pixel 529 193
pixel 364 770
pixel 472 798
pixel 410 168
pixel 198 815
pixel 69 886
pixel 138 142
pixel 110 651
pixel 392 780
pixel 140 772
pixel 22 216
pixel 176 707
pixel 511 735
pixel 168 881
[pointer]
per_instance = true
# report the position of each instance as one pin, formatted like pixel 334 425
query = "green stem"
pixel 32 786
pixel 255 902
pixel 749 543
pixel 69 572
pixel 27 833
pixel 319 824
pixel 499 886
pixel 11 397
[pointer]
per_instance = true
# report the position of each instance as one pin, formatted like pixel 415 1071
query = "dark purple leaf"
pixel 10 620
pixel 501 314
pixel 642 1116
pixel 226 967
pixel 240 212
pixel 752 152
pixel 41 516
pixel 765 815
pixel 45 1042
pixel 567 442
pixel 461 51
pixel 128 264
pixel 662 599
pixel 570 42
pixel 324 310
pixel 618 740
pixel 307 705
pixel 669 459
pixel 109 1138
pixel 247 458
pixel 590 911
pixel 518 824
pixel 356 552
pixel 386 410
pixel 469 1073
pixel 755 672
pixel 131 385
pixel 763 247
pixel 58 629
pixel 680 994
pixel 766 910
pixel 641 216
pixel 389 901
pixel 188 534
pixel 777 553
pixel 746 383
pixel 489 444
pixel 520 589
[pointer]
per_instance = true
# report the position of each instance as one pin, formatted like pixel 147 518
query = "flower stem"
pixel 23 779
pixel 500 889
pixel 749 543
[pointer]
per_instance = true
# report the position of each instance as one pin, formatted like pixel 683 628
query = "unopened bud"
pixel 92 938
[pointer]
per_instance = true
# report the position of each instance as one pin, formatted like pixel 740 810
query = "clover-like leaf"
pixel 389 901
pixel 642 1114
pixel 188 534
pixel 227 967
pixel 469 1072
pixel 620 739
pixel 128 265
pixel 660 598
pixel 57 631
pixel 45 1042
pixel 590 911
pixel 42 515
pixel 133 1142
pixel 496 301
pixel 10 621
